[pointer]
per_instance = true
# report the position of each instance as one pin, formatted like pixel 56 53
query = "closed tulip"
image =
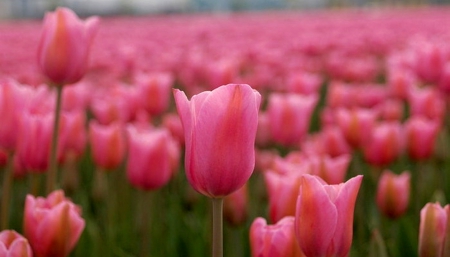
pixel 152 158
pixel 64 46
pixel 220 130
pixel 108 144
pixel 421 135
pixel 385 144
pixel 324 216
pixel 12 244
pixel 52 225
pixel 433 230
pixel 276 240
pixel 393 193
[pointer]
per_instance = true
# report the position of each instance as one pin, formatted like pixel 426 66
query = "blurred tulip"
pixel 52 225
pixel 263 135
pixel 433 230
pixel 11 105
pixel 401 82
pixel 290 117
pixel 220 130
pixel 427 102
pixel 385 144
pixel 393 193
pixel 172 122
pixel 33 146
pixel 390 110
pixel 12 244
pixel 421 135
pixel 282 190
pixel 331 170
pixel 303 83
pixel 324 216
pixel 235 206
pixel 429 61
pixel 276 240
pixel 64 46
pixel 330 141
pixel 152 158
pixel 108 144
pixel 356 124
pixel 154 91
pixel 73 134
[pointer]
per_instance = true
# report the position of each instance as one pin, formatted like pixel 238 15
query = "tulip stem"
pixel 52 171
pixel 6 193
pixel 217 244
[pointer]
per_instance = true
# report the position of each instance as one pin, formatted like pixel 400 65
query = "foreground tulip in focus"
pixel 220 131
pixel 52 225
pixel 324 216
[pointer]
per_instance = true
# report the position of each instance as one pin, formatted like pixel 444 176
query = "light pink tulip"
pixel 12 244
pixel 427 102
pixel 331 170
pixel 330 141
pixel 52 225
pixel 152 158
pixel 63 50
pixel 220 130
pixel 393 193
pixel 324 216
pixel 108 144
pixel 421 135
pixel 276 240
pixel 433 230
pixel 290 117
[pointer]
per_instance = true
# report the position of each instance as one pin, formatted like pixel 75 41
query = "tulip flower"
pixel 108 144
pixel 385 144
pixel 154 91
pixel 64 46
pixel 433 230
pixel 427 102
pixel 152 159
pixel 290 117
pixel 220 130
pixel 276 240
pixel 421 134
pixel 356 124
pixel 393 193
pixel 324 216
pixel 52 225
pixel 12 244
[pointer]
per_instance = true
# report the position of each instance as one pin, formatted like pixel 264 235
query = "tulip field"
pixel 322 133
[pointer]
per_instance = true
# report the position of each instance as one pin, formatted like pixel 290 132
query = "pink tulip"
pixel 331 170
pixel 33 146
pixel 52 225
pixel 324 216
pixel 421 135
pixel 152 158
pixel 235 206
pixel 108 144
pixel 154 91
pixel 427 102
pixel 282 190
pixel 304 83
pixel 12 244
pixel 356 124
pixel 172 122
pixel 276 240
pixel 64 46
pixel 385 144
pixel 330 141
pixel 220 130
pixel 73 135
pixel 290 117
pixel 433 230
pixel 393 193
pixel 391 110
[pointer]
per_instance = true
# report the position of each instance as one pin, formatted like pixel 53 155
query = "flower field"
pixel 341 93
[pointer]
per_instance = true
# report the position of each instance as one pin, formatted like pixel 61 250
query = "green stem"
pixel 52 171
pixel 217 244
pixel 6 193
pixel 145 201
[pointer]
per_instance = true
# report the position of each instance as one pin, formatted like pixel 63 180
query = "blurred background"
pixel 36 8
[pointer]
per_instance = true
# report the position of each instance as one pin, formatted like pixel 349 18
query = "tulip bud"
pixel 393 193
pixel 432 233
